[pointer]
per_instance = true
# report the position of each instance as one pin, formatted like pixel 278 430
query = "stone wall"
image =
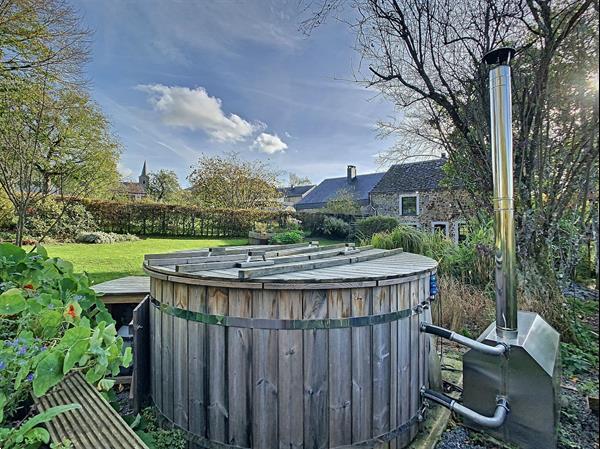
pixel 440 205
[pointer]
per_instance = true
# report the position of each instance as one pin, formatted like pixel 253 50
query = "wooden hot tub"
pixel 297 347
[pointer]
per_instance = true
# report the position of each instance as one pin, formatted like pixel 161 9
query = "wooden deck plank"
pixel 95 425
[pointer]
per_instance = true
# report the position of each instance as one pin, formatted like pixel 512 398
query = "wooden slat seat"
pixel 96 425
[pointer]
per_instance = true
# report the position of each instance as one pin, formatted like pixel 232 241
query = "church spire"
pixel 143 178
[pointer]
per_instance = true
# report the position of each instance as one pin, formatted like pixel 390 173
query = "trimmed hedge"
pixel 177 220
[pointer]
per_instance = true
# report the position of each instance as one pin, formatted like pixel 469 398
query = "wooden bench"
pixel 96 425
pixel 126 290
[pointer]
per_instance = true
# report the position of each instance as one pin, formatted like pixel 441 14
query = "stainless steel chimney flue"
pixel 502 163
pixel 528 374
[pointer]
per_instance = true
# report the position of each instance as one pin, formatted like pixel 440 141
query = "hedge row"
pixel 177 220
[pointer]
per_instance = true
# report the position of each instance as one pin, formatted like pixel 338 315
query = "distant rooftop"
pixel 328 189
pixel 295 190
pixel 412 177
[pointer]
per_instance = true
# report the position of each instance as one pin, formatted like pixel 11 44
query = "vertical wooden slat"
pixel 316 420
pixel 167 352
pixel 157 363
pixel 141 355
pixel 395 374
pixel 414 356
pixel 180 358
pixel 381 365
pixel 423 338
pixel 197 367
pixel 265 354
pixel 340 370
pixel 361 368
pixel 404 362
pixel 239 343
pixel 218 304
pixel 291 423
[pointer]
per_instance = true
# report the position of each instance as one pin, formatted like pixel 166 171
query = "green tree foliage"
pixel 53 139
pixel 163 186
pixel 41 36
pixel 230 182
pixel 343 203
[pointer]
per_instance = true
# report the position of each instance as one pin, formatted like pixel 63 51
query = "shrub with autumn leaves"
pixel 51 323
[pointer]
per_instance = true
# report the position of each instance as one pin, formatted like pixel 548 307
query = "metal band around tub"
pixel 262 323
pixel 370 443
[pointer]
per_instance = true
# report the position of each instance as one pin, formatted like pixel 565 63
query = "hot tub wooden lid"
pixel 277 265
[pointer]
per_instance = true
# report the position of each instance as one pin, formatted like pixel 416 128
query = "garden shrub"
pixel 74 220
pixel 51 323
pixel 287 237
pixel 366 227
pixel 336 227
pixel 104 237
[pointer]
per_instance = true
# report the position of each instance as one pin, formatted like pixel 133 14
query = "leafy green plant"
pixel 30 435
pixel 287 237
pixel 336 227
pixel 366 227
pixel 147 427
pixel 52 323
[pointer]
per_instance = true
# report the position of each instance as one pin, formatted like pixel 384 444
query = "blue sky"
pixel 182 78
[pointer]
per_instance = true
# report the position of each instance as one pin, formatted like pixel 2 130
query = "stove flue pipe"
pixel 502 165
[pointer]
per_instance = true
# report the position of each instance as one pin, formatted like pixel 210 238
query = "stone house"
pixel 416 195
pixel 136 190
pixel 356 186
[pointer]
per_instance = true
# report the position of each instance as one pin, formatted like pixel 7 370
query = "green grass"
pixel 104 262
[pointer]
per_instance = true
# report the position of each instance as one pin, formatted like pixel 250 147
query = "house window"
pixel 409 205
pixel 440 226
pixel 462 231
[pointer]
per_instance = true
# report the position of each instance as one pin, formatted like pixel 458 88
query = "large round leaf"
pixel 12 252
pixel 12 302
pixel 48 373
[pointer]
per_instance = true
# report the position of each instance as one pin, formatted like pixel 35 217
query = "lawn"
pixel 104 262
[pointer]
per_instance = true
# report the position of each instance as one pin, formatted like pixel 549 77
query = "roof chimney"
pixel 351 173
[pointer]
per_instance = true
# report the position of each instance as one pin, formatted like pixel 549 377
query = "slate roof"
pixel 327 190
pixel 295 190
pixel 412 177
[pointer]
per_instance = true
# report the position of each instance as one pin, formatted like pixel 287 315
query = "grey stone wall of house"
pixel 449 206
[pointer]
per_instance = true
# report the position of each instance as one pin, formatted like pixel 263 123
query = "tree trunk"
pixel 20 226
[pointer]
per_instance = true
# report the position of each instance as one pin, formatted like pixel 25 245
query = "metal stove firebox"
pixel 528 377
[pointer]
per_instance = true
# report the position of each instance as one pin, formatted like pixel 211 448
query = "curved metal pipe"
pixel 499 349
pixel 491 422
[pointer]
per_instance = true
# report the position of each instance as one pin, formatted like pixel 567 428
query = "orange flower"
pixel 71 310
pixel 28 286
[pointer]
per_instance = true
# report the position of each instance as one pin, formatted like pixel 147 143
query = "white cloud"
pixel 196 110
pixel 269 143
pixel 125 172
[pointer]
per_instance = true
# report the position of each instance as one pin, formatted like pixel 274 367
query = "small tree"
pixel 343 203
pixel 163 186
pixel 230 182
pixel 53 141
pixel 295 180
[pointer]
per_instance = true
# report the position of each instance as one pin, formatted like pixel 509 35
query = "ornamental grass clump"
pixel 51 323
